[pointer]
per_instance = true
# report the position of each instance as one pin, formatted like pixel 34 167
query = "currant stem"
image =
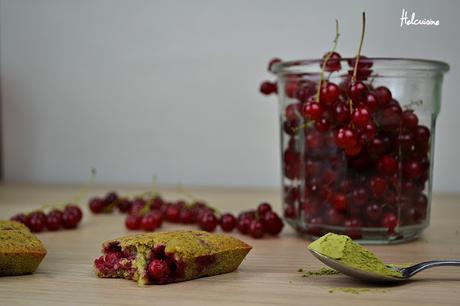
pixel 187 194
pixel 355 68
pixel 86 187
pixel 304 126
pixel 363 30
pixel 145 209
pixel 328 56
pixel 154 186
pixel 77 199
pixel 350 103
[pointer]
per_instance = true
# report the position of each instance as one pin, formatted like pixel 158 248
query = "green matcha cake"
pixel 166 257
pixel 20 251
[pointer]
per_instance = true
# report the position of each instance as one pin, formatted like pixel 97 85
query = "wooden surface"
pixel 268 276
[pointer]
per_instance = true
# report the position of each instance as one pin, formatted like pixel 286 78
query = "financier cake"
pixel 167 257
pixel 20 251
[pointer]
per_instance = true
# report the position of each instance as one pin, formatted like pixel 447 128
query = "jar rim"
pixel 379 63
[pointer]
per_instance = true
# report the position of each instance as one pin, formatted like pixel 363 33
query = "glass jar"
pixel 359 166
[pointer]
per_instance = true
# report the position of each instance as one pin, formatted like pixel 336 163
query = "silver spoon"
pixel 406 272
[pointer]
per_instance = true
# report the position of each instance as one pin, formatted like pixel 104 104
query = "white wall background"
pixel 171 87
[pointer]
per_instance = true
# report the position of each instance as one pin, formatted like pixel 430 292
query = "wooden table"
pixel 268 276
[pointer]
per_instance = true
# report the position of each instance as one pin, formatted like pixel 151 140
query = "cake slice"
pixel 167 257
pixel 20 251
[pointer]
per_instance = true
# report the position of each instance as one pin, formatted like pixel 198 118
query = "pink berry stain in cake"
pixel 167 257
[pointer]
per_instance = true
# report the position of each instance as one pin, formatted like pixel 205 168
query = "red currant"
pixel 74 209
pixel 256 229
pixel 137 206
pixel 341 113
pixel 364 62
pixel 333 63
pixel 329 93
pixel 227 222
pixel 133 222
pixel 353 228
pixel 369 131
pixel 272 62
pixel 70 219
pixel 323 124
pixel 290 127
pixel 22 218
pixel 359 196
pixel 149 222
pixel 340 202
pixel 111 197
pixel 387 165
pixel 355 150
pixel 208 222
pixel 124 205
pixel 290 212
pixel 383 95
pixel 371 102
pixel 272 223
pixel 54 220
pixel 268 88
pixel 346 138
pixel 409 120
pixel 412 170
pixel 35 223
pixel 390 222
pixel 186 216
pixel 293 111
pixel 357 91
pixel 244 224
pixel 334 217
pixel 373 212
pixel 291 88
pixel 422 134
pixel 263 208
pixel 173 213
pixel 96 205
pixel 378 186
pixel 312 110
pixel 159 270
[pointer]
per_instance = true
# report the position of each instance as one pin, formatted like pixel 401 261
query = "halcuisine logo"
pixel 413 20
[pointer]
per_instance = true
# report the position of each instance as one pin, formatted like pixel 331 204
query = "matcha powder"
pixel 342 248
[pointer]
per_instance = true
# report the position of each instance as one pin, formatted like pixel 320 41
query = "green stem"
pixel 355 68
pixel 363 30
pixel 303 126
pixel 187 194
pixel 154 190
pixel 86 187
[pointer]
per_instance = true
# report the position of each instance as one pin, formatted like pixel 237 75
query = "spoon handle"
pixel 410 271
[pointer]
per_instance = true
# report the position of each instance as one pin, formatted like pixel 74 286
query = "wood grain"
pixel 268 276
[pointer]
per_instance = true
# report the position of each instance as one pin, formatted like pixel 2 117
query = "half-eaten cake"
pixel 167 257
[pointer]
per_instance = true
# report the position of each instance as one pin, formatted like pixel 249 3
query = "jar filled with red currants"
pixel 357 144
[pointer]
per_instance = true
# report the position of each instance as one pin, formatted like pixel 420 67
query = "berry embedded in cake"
pixel 168 257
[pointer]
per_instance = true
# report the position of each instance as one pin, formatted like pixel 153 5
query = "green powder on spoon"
pixel 342 248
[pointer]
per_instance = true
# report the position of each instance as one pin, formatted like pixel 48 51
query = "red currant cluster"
pixel 353 157
pixel 107 204
pixel 55 219
pixel 260 221
pixel 148 213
